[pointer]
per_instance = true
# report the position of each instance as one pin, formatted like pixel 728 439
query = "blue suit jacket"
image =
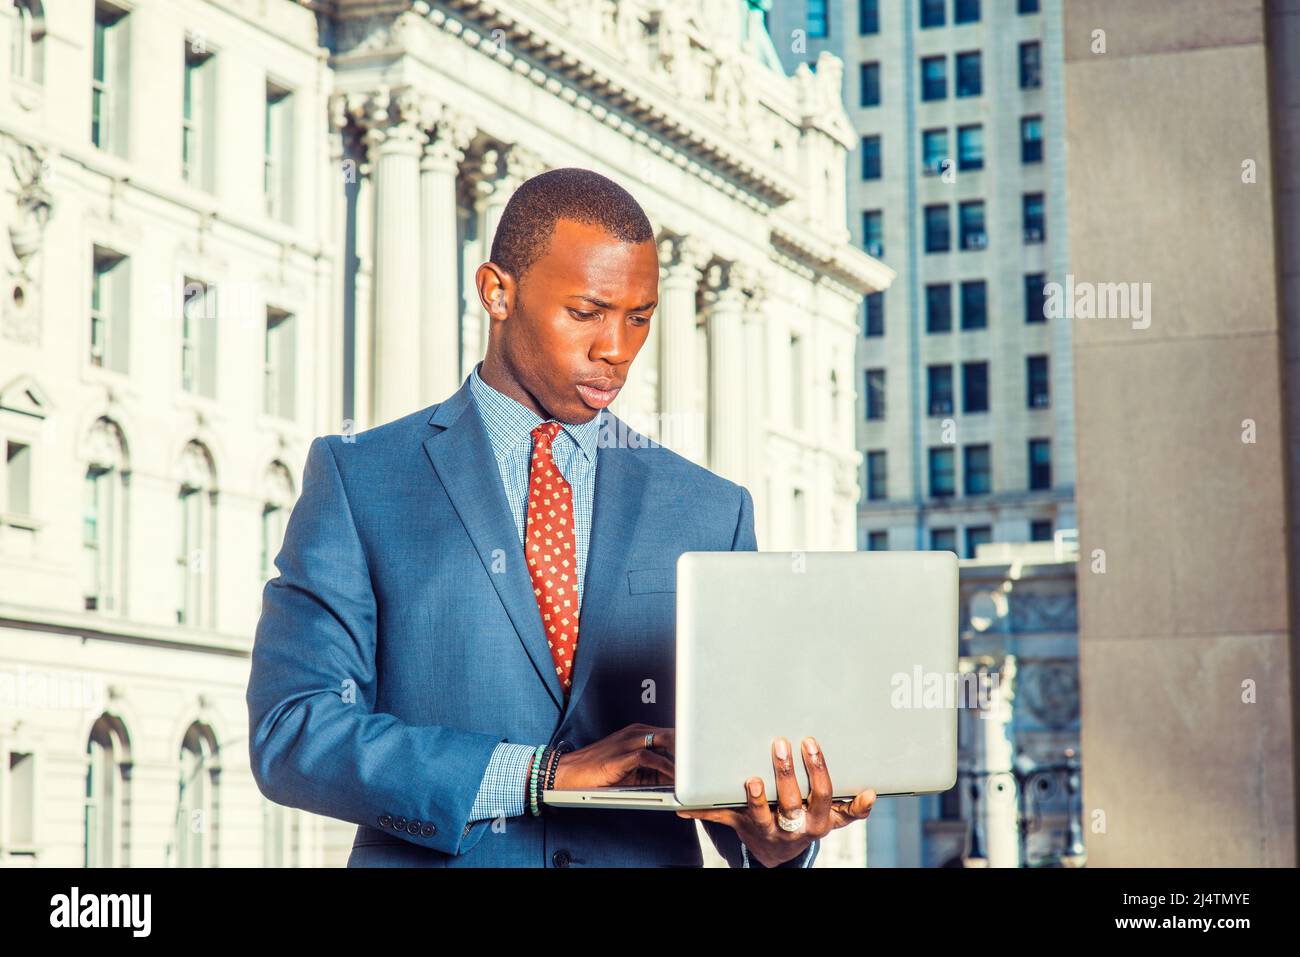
pixel 401 641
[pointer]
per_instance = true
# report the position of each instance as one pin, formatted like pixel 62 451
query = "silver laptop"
pixel 857 649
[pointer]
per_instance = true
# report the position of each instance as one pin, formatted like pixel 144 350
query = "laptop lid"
pixel 857 649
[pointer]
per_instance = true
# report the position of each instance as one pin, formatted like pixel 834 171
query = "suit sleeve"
pixel 724 838
pixel 316 741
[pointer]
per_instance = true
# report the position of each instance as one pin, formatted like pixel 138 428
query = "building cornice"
pixel 526 38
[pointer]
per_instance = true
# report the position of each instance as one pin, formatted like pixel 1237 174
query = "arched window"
pixel 104 518
pixel 27 55
pixel 198 807
pixel 277 500
pixel 107 830
pixel 195 557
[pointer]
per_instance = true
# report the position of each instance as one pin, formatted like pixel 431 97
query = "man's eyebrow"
pixel 609 305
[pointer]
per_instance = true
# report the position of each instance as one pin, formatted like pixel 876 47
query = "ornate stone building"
pixel 233 226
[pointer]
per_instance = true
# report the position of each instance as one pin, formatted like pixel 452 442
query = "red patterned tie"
pixel 552 558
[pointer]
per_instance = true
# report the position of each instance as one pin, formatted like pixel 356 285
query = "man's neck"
pixel 494 373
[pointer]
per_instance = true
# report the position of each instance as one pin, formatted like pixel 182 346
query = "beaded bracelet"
pixel 532 779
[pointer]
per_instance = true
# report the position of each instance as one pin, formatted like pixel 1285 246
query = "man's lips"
pixel 598 393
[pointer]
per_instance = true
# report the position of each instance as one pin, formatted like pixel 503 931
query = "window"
pixel 198 110
pixel 197 522
pixel 1026 6
pixel 943 540
pixel 877 541
pixel 875 393
pixel 874 304
pixel 938 307
pixel 110 311
pixel 971 215
pixel 1040 530
pixel 966 11
pixel 977 535
pixel 106 828
pixel 873 232
pixel 277 500
pixel 868 17
pixel 871 157
pixel 974 304
pixel 796 381
pixel 934 150
pixel 1038 388
pixel 1040 464
pixel 197 824
pixel 942 473
pixel 1031 69
pixel 818 18
pixel 877 477
pixel 103 522
pixel 932 13
pixel 1031 139
pixel 974 386
pixel 27 54
pixel 934 78
pixel 18 478
pixel 1035 226
pixel 279 364
pixel 869 84
pixel 277 154
pixel 108 82
pixel 199 338
pixel 976 469
pixel 970 147
pixel 939 389
pixel 19 818
pixel 1036 297
pixel 937 229
pixel 968 74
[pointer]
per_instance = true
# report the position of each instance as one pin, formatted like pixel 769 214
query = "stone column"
pixel 394 138
pixel 757 379
pixel 681 424
pixel 502 169
pixel 728 420
pixel 440 325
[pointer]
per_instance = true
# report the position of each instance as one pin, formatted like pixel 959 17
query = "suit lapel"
pixel 461 454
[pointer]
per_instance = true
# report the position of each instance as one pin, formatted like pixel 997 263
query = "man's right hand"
pixel 620 759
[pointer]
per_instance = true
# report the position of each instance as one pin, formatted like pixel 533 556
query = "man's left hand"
pixel 757 825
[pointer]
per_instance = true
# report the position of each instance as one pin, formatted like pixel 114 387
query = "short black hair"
pixel 572 193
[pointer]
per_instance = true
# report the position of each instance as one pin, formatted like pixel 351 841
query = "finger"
pixel 756 809
pixel 856 810
pixel 788 797
pixel 819 780
pixel 634 736
pixel 721 815
pixel 646 759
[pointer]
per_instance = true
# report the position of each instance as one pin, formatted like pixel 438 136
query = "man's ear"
pixel 496 290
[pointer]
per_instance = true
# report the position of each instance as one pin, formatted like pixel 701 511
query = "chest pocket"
pixel 642 581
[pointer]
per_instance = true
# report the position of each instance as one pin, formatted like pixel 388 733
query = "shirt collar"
pixel 510 423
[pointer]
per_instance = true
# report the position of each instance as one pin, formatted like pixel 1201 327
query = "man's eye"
pixel 583 315
pixel 641 320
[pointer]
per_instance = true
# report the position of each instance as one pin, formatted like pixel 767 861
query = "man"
pixel 465 583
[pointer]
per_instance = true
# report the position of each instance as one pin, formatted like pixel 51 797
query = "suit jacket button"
pixel 413 828
pixel 400 823
pixel 561 858
pixel 426 830
pixel 385 820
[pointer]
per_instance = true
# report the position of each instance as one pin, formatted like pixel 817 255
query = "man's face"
pixel 573 324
